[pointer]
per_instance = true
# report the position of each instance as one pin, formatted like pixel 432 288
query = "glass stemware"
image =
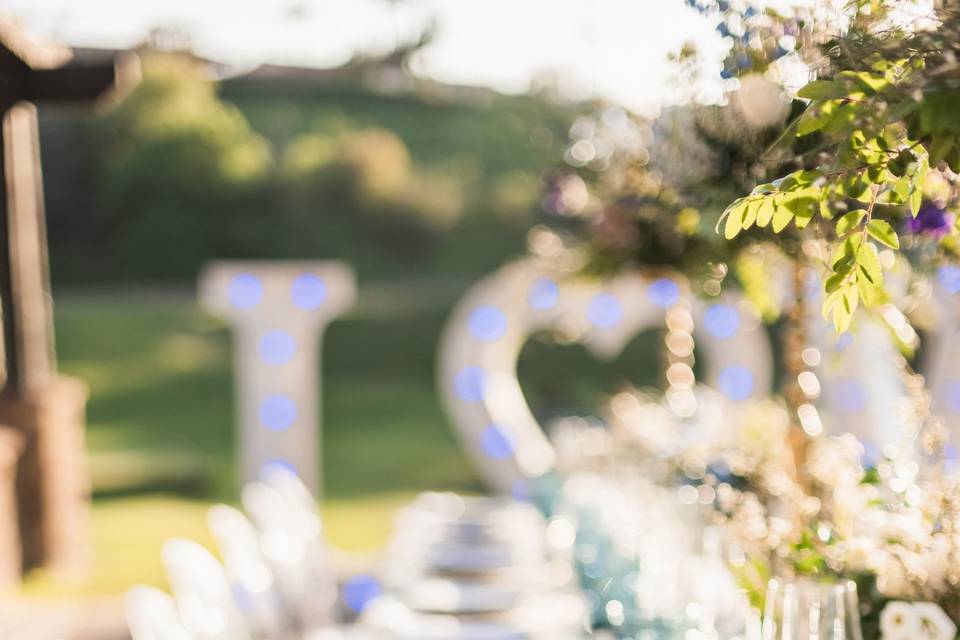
pixel 808 610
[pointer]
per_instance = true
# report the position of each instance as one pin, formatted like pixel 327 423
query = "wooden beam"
pixel 73 83
pixel 30 350
pixel 35 55
pixel 83 82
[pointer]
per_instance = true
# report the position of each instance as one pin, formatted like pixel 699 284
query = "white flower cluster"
pixel 896 519
pixel 743 440
pixel 916 621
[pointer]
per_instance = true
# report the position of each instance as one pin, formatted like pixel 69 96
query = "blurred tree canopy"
pixel 179 164
pixel 175 175
pixel 396 206
pixel 185 178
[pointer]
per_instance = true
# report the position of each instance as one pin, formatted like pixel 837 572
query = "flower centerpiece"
pixel 889 520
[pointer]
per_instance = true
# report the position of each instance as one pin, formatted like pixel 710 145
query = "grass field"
pixel 160 430
pixel 160 420
pixel 159 373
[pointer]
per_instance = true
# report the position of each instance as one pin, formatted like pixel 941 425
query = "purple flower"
pixel 932 220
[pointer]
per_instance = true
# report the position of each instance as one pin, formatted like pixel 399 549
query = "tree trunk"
pixel 794 342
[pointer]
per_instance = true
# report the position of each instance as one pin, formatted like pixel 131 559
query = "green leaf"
pixel 822 90
pixel 763 189
pixel 765 211
pixel 920 171
pixel 868 292
pixel 854 186
pixel 882 232
pixel 898 166
pixel 891 197
pixel 870 83
pixel 803 203
pixel 843 312
pixel 916 199
pixel 840 306
pixel 845 255
pixel 841 119
pixel 903 188
pixel 833 282
pixel 804 178
pixel 877 174
pixel 813 119
pixel 868 261
pixel 825 211
pixel 750 213
pixel 850 300
pixel 830 301
pixel 781 218
pixel 734 214
pixel 850 221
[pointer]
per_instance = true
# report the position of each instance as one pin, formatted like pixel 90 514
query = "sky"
pixel 612 48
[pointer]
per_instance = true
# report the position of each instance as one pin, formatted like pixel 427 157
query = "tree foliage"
pixel 177 168
pixel 884 110
pixel 184 177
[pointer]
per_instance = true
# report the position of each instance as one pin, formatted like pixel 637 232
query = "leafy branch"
pixel 871 136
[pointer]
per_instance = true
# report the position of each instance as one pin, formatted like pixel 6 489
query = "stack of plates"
pixel 475 569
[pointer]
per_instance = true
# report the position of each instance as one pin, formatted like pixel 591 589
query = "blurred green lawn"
pixel 161 385
pixel 160 415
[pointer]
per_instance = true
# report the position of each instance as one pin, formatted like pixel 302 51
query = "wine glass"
pixel 808 610
pixel 739 620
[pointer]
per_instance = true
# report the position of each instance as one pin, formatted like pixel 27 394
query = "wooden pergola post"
pixel 45 408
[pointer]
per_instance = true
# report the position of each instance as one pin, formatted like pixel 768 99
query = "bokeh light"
pixel 543 295
pixel 843 341
pixel 277 464
pixel 359 590
pixel 735 382
pixel 604 311
pixel 470 384
pixel 308 291
pixel 721 320
pixel 872 454
pixel 277 347
pixel 520 490
pixel 663 292
pixel 497 442
pixel 951 458
pixel 849 395
pixel 277 412
pixel 949 277
pixel 488 323
pixel 952 394
pixel 245 291
pixel 242 597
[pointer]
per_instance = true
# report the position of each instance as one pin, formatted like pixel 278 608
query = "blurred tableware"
pixel 202 592
pixel 464 568
pixel 291 540
pixel 540 617
pixel 348 633
pixel 741 622
pixel 808 610
pixel 152 615
pixel 251 579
